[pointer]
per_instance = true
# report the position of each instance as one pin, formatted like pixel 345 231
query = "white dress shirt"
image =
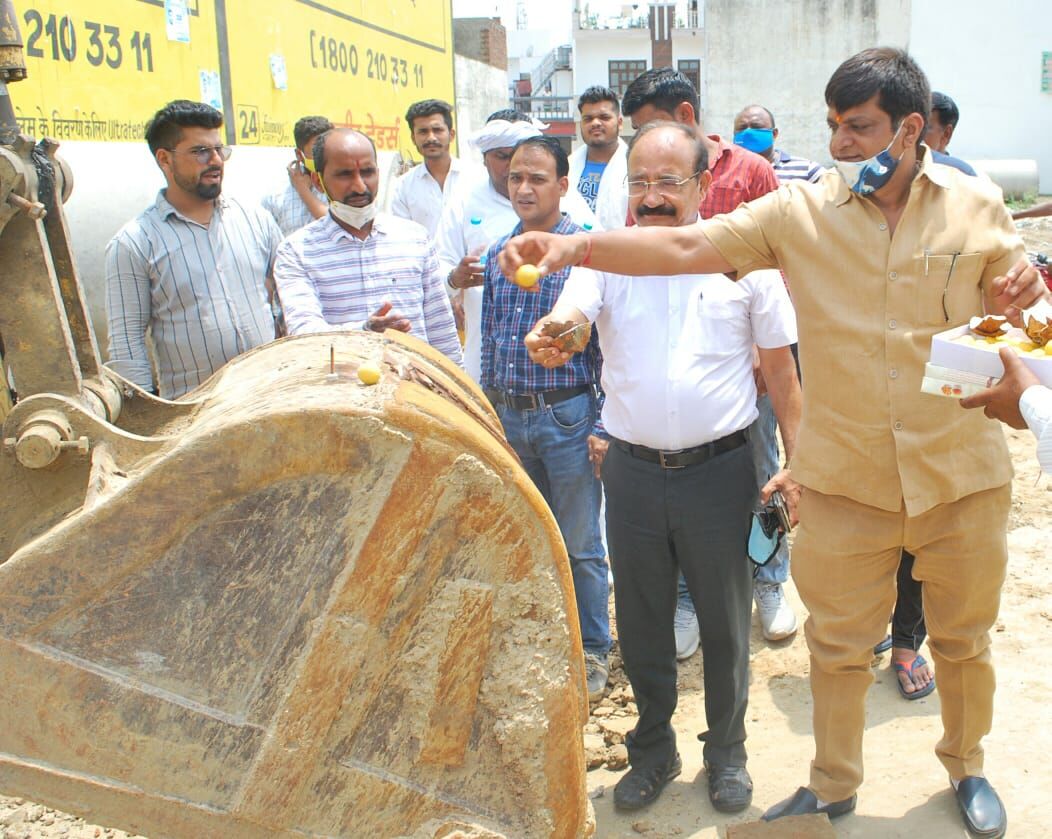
pixel 677 351
pixel 1036 407
pixel 457 236
pixel 417 196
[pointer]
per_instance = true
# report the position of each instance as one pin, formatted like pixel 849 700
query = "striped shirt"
pixel 738 176
pixel 509 312
pixel 288 208
pixel 789 168
pixel 199 289
pixel 329 279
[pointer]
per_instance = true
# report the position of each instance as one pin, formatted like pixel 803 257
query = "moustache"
pixel 350 196
pixel 213 170
pixel 663 210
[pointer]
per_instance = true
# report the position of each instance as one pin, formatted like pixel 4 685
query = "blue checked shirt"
pixel 510 312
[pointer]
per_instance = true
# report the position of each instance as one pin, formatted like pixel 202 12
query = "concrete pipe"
pixel 1015 177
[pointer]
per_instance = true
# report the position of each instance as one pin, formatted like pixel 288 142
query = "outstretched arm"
pixel 634 251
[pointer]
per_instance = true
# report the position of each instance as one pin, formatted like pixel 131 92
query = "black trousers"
pixel 659 522
pixel 907 623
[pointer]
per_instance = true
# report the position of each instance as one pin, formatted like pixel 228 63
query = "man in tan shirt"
pixel 879 255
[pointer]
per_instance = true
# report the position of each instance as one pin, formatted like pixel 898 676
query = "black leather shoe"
pixel 642 785
pixel 804 803
pixel 981 808
pixel 730 787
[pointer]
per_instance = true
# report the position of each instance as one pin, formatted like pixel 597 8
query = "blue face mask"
pixel 866 176
pixel 759 140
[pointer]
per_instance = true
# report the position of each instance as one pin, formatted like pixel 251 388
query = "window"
pixel 691 68
pixel 623 73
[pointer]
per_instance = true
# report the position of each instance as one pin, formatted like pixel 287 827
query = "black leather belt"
pixel 684 457
pixel 535 401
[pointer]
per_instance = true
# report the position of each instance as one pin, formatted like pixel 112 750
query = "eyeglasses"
pixel 665 186
pixel 203 154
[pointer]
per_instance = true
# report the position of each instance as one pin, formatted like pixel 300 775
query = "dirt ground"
pixel 905 794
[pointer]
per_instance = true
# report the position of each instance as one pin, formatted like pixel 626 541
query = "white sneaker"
pixel 776 615
pixel 688 636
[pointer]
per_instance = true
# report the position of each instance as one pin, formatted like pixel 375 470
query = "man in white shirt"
pixel 481 214
pixel 357 268
pixel 678 475
pixel 302 200
pixel 420 193
pixel 1021 401
pixel 598 167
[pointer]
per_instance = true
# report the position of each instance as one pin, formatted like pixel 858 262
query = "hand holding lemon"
pixel 527 275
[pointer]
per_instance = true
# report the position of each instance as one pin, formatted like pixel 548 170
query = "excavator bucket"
pixel 291 604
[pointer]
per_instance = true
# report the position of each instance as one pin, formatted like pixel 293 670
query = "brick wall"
pixel 482 39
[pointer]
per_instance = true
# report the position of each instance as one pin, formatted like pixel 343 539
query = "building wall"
pixel 594 48
pixel 481 38
pixel 784 63
pixel 481 90
pixel 993 73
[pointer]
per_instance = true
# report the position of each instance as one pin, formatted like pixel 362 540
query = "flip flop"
pixel 899 667
pixel 883 646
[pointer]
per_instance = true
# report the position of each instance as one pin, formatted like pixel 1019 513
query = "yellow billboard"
pixel 98 70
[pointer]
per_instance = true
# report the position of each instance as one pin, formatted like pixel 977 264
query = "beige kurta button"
pixel 893 374
pixel 898 426
pixel 894 275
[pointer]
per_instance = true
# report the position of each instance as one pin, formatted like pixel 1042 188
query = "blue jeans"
pixel 763 442
pixel 552 443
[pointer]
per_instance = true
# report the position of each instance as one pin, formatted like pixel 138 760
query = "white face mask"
pixel 356 217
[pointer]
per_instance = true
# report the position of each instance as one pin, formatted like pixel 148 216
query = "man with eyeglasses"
pixel 678 473
pixel 194 269
pixel 738 175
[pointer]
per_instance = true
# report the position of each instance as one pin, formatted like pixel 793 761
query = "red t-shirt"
pixel 738 175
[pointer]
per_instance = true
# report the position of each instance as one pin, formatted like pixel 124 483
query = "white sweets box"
pixel 958 369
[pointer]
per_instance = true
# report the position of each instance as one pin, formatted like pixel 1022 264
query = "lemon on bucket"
pixel 369 372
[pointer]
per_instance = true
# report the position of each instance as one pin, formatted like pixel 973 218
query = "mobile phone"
pixel 781 509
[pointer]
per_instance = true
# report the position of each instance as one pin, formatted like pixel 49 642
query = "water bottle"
pixel 477 240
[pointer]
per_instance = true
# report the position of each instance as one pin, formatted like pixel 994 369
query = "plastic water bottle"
pixel 477 239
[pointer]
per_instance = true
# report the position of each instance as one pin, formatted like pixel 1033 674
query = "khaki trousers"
pixel 845 559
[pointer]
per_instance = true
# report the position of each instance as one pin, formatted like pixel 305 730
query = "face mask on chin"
pixel 867 176
pixel 356 217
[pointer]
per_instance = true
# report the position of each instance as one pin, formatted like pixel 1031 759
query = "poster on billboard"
pixel 98 71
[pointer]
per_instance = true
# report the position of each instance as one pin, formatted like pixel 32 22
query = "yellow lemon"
pixel 527 275
pixel 369 372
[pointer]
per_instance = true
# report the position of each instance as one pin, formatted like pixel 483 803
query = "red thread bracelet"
pixel 587 254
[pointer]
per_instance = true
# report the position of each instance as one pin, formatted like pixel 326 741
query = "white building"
pixel 611 50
